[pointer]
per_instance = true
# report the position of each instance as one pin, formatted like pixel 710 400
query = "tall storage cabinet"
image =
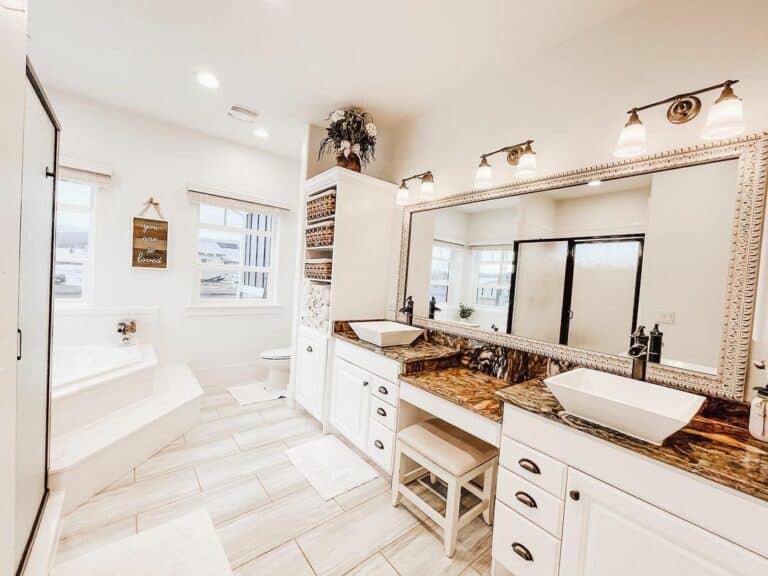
pixel 345 257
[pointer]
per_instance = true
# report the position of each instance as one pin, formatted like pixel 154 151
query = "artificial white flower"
pixel 371 129
pixel 337 115
pixel 345 147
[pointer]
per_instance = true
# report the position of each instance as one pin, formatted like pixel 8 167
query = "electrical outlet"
pixel 666 317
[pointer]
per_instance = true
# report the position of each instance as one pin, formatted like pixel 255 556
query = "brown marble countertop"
pixel 715 445
pixel 419 351
pixel 469 389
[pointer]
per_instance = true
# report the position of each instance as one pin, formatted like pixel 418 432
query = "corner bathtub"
pixel 89 382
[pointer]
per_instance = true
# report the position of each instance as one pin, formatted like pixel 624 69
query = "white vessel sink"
pixel 639 409
pixel 385 333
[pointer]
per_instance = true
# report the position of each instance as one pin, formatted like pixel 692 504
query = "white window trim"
pixel 201 306
pixel 451 263
pixel 476 270
pixel 86 296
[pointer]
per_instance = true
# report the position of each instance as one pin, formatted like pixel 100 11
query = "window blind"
pixel 199 195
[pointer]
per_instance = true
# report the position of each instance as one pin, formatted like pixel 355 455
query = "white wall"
pixel 149 157
pixel 13 25
pixel 621 212
pixel 685 267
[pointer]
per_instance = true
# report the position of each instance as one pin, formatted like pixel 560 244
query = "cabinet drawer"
pixel 383 413
pixel 380 443
pixel 375 363
pixel 385 390
pixel 530 501
pixel 543 471
pixel 521 547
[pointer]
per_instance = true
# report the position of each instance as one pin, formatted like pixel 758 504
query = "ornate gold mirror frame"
pixel 752 154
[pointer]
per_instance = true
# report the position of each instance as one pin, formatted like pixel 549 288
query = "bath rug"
pixel 253 393
pixel 188 545
pixel 330 466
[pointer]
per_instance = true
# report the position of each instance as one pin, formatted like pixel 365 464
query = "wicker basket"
pixel 318 269
pixel 320 235
pixel 321 206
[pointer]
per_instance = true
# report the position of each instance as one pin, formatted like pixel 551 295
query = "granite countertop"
pixel 715 445
pixel 419 351
pixel 469 389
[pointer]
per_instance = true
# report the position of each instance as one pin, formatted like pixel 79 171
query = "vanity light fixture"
pixel 725 119
pixel 520 155
pixel 427 192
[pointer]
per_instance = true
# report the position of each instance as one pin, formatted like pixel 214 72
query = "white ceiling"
pixel 292 60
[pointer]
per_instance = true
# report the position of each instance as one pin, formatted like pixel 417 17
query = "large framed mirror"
pixel 572 266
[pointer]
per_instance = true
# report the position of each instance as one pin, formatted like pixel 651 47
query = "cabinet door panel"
pixel 350 402
pixel 310 373
pixel 608 532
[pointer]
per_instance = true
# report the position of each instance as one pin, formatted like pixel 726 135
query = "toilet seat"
pixel 277 354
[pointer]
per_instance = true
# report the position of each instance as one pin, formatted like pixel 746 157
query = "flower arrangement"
pixel 351 136
pixel 465 311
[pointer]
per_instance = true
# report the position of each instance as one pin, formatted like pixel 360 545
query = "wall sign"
pixel 150 243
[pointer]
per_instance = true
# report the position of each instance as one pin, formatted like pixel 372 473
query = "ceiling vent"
pixel 242 113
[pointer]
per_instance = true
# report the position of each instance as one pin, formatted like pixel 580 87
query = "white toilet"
pixel 278 363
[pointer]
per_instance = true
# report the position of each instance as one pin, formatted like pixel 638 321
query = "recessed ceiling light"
pixel 594 183
pixel 207 79
pixel 262 133
pixel 242 113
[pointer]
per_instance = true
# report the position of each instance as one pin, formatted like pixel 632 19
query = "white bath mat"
pixel 330 466
pixel 253 393
pixel 188 545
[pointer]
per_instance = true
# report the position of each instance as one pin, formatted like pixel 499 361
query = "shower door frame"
pixel 51 172
pixel 571 242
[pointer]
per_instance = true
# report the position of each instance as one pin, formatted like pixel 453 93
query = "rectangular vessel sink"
pixel 645 411
pixel 385 333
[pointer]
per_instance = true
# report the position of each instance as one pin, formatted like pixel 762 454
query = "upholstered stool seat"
pixel 455 457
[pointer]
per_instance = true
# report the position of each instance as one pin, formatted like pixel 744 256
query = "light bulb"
pixel 726 118
pixel 631 139
pixel 427 187
pixel 402 195
pixel 208 80
pixel 526 167
pixel 484 174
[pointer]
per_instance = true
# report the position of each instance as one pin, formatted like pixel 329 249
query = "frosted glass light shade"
pixel 526 167
pixel 427 190
pixel 402 195
pixel 724 120
pixel 484 175
pixel 631 140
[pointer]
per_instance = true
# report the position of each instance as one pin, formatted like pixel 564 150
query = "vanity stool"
pixel 455 457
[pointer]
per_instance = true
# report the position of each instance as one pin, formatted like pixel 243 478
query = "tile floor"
pixel 269 519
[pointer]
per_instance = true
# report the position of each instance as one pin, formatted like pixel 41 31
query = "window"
pixel 235 254
pixel 441 272
pixel 493 276
pixel 74 202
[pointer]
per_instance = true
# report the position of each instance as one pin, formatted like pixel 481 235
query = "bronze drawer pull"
pixel 309 348
pixel 522 551
pixel 381 412
pixel 526 499
pixel 529 466
pixel 365 383
pixel 379 444
pixel 383 390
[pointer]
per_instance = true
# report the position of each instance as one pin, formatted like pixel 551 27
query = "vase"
pixel 351 162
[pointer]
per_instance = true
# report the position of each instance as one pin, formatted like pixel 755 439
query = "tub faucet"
pixel 433 308
pixel 639 355
pixel 408 310
pixel 126 329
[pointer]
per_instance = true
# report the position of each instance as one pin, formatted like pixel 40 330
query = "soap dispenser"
pixel 758 413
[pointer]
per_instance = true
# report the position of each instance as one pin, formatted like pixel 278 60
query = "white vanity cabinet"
pixel 569 504
pixel 363 404
pixel 350 398
pixel 605 527
pixel 311 351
